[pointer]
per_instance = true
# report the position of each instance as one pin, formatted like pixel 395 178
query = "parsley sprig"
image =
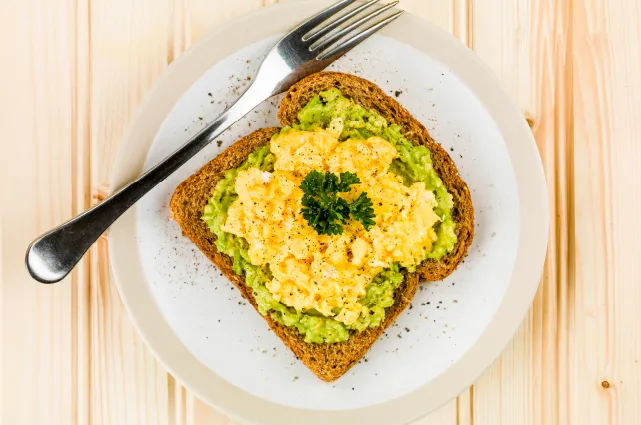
pixel 362 210
pixel 325 211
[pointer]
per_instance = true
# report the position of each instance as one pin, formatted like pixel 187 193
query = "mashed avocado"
pixel 332 110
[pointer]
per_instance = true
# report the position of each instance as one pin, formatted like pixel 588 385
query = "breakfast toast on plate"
pixel 327 353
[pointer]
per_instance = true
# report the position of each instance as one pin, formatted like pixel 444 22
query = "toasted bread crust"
pixel 371 96
pixel 327 361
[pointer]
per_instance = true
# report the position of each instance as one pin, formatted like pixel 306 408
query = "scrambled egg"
pixel 329 273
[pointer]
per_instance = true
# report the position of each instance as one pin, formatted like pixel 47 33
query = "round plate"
pixel 214 342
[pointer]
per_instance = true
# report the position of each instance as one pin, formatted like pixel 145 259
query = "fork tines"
pixel 329 39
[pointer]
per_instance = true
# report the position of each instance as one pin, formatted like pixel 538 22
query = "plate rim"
pixel 510 312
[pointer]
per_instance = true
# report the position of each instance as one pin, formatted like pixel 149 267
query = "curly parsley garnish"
pixel 362 210
pixel 325 211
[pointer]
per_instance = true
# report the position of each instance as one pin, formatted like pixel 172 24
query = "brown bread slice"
pixel 328 361
pixel 371 96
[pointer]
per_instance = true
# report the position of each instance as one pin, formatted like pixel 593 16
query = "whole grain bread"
pixel 327 361
pixel 370 96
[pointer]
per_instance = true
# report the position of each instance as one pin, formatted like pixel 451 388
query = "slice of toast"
pixel 370 96
pixel 327 361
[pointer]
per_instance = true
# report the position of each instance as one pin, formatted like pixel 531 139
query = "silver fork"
pixel 308 48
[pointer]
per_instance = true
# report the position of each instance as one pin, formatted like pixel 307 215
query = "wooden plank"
pixel 605 373
pixel 130 46
pixel 44 342
pixel 526 43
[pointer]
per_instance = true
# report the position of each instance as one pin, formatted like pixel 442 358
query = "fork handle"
pixel 53 255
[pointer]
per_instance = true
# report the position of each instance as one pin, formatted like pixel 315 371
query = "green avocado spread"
pixel 330 109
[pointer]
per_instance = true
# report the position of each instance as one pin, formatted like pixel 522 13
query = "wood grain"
pixel 606 349
pixel 524 386
pixel 81 67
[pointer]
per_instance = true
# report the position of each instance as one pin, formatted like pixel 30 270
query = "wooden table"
pixel 77 69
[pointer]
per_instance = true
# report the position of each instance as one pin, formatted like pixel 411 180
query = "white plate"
pixel 218 346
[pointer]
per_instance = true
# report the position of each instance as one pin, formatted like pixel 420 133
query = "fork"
pixel 308 48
